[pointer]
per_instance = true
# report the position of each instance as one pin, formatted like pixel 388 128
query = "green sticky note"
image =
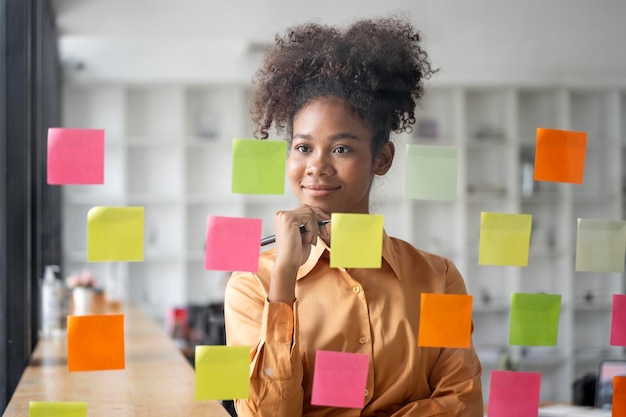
pixel 431 172
pixel 115 234
pixel 259 166
pixel 504 239
pixel 356 240
pixel 600 245
pixel 222 372
pixel 57 409
pixel 534 319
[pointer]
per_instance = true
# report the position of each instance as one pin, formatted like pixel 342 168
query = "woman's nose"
pixel 319 163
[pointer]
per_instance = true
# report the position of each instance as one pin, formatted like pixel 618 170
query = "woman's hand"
pixel 293 248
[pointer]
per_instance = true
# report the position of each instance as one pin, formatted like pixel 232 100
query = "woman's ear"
pixel 384 159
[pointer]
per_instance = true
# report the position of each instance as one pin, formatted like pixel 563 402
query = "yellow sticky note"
pixel 445 320
pixel 504 239
pixel 115 234
pixel 57 409
pixel 222 372
pixel 600 245
pixel 356 240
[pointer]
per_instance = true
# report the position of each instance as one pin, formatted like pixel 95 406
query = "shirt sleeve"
pixel 457 388
pixel 455 377
pixel 270 329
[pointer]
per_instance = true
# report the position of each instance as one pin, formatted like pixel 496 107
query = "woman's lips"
pixel 320 191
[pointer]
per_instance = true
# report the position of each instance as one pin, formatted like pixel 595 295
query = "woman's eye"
pixel 342 149
pixel 302 148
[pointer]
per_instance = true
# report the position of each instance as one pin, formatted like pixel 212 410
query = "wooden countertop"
pixel 158 380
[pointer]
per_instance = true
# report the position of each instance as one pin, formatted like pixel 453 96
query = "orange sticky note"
pixel 445 320
pixel 619 396
pixel 95 343
pixel 560 155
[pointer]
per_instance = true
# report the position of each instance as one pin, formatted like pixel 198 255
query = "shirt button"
pixel 356 290
pixel 367 393
pixel 362 340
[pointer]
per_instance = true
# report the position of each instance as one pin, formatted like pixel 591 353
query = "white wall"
pixel 470 40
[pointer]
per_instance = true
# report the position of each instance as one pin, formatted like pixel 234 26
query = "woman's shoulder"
pixel 407 253
pixel 258 281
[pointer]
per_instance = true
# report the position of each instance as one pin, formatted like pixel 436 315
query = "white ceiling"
pixel 477 37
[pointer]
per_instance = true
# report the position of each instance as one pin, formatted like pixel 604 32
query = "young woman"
pixel 337 95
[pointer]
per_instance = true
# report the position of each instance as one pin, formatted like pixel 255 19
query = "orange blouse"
pixel 370 311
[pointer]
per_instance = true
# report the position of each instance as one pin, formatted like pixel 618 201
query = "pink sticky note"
pixel 232 244
pixel 514 394
pixel 339 379
pixel 618 321
pixel 75 156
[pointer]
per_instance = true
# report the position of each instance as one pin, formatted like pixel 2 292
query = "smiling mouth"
pixel 320 191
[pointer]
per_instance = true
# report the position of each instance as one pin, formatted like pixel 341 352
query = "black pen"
pixel 271 239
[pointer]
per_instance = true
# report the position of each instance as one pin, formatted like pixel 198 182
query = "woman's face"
pixel 330 162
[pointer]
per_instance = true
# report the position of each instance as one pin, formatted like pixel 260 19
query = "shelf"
pixel 498 193
pixel 588 112
pixel 490 145
pixel 584 356
pixel 537 252
pixel 152 199
pixel 593 307
pixel 537 108
pixel 155 171
pixel 486 112
pixel 96 107
pixel 490 308
pixel 153 142
pixel 540 362
pixel 93 200
pixel 154 111
pixel 216 112
pixel 542 197
pixel 595 197
pixel 162 256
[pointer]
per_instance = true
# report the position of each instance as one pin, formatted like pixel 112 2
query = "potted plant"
pixel 83 287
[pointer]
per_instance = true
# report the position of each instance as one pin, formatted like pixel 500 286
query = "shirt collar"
pixel 320 247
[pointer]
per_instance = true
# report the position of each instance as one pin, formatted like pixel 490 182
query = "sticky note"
pixel 57 409
pixel 115 234
pixel 75 156
pixel 222 372
pixel 259 166
pixel 339 379
pixel 95 343
pixel 431 172
pixel 514 394
pixel 600 245
pixel 356 240
pixel 534 319
pixel 504 239
pixel 232 244
pixel 618 320
pixel 445 320
pixel 560 155
pixel 619 396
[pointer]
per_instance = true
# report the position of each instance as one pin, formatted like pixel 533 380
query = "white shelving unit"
pixel 494 128
pixel 168 148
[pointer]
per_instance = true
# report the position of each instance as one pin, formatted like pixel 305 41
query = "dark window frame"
pixel 30 210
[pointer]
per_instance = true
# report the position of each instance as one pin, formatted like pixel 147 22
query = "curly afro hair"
pixel 377 65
